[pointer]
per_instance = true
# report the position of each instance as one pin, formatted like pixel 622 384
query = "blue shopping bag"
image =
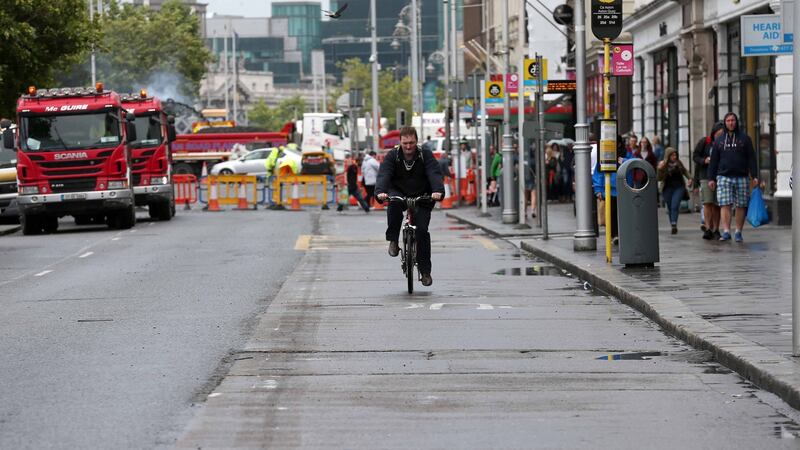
pixel 757 209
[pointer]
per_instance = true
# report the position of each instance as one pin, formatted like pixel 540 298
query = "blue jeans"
pixel 673 198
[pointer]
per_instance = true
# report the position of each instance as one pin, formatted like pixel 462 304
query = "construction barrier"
pixel 238 190
pixel 184 189
pixel 300 190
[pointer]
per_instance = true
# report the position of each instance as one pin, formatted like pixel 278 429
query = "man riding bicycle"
pixel 410 171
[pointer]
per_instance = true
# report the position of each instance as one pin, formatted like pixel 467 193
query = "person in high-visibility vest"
pixel 272 160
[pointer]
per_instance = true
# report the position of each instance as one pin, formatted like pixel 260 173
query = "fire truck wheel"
pixel 30 224
pixel 122 219
pixel 50 224
pixel 160 211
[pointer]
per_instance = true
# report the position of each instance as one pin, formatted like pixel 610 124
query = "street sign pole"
pixel 584 239
pixel 796 195
pixel 521 144
pixel 607 115
pixel 607 25
pixel 540 113
pixel 484 150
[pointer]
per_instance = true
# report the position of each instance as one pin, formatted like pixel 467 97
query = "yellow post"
pixel 607 115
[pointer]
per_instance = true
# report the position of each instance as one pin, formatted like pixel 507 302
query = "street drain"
pixel 630 356
pixel 530 271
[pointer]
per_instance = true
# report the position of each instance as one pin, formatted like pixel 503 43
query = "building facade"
pixel 690 72
pixel 304 23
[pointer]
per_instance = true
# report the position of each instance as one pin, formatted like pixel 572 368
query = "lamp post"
pixel 376 118
pixel 584 238
pixel 509 208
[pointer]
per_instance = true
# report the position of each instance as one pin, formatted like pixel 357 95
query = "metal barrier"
pixel 228 189
pixel 313 190
pixel 185 189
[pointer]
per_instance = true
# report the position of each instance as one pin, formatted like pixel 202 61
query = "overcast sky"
pixel 247 8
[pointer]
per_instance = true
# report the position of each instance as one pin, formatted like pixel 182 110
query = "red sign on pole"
pixel 512 83
pixel 622 60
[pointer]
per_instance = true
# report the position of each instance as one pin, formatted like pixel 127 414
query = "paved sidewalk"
pixel 731 298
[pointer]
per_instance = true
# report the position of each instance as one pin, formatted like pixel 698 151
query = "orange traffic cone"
pixel 296 196
pixel 213 201
pixel 204 172
pixel 242 206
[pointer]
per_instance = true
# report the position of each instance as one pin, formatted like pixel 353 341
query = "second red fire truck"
pixel 151 159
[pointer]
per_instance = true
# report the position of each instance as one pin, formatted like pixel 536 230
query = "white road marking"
pixel 115 239
pixel 86 254
pixel 414 306
pixel 438 306
pixel 215 394
pixel 43 273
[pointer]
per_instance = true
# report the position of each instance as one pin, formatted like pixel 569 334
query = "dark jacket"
pixel 733 155
pixel 425 177
pixel 701 151
pixel 352 177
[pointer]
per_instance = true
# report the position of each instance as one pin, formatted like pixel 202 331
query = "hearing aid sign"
pixel 762 34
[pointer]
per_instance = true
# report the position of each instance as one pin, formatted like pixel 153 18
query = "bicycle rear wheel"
pixel 410 247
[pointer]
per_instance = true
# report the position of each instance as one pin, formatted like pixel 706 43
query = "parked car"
pixel 253 163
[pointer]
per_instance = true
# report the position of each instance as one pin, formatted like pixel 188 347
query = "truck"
pixel 321 131
pixel 191 151
pixel 73 158
pixel 151 159
pixel 8 184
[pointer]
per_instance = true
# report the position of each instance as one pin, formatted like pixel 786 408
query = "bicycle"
pixel 408 252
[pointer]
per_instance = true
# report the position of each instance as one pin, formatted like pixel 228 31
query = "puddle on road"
pixel 530 271
pixel 639 356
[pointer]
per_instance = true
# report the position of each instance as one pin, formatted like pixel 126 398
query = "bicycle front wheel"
pixel 411 256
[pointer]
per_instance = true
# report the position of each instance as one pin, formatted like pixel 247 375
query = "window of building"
pixel 665 65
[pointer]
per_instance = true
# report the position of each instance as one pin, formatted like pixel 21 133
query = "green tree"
pixel 141 47
pixel 392 94
pixel 274 118
pixel 40 38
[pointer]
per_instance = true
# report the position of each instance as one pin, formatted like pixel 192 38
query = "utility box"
pixel 637 215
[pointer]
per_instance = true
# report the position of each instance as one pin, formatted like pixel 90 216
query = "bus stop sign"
pixel 606 18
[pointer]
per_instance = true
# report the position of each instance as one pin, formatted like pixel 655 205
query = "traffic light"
pixel 401 117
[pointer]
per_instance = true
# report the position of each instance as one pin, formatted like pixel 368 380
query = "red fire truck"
pixel 73 158
pixel 151 160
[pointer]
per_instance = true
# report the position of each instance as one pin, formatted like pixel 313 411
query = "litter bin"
pixel 637 215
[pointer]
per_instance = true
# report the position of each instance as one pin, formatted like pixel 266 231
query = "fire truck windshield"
pixel 68 132
pixel 148 131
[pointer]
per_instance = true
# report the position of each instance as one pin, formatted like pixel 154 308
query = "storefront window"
pixel 666 96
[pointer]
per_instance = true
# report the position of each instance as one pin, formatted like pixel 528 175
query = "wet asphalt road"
pixel 503 351
pixel 107 337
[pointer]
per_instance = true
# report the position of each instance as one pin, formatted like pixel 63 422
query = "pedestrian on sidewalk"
pixel 658 148
pixel 369 172
pixel 672 173
pixel 702 159
pixel 497 173
pixel 732 160
pixel 352 184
